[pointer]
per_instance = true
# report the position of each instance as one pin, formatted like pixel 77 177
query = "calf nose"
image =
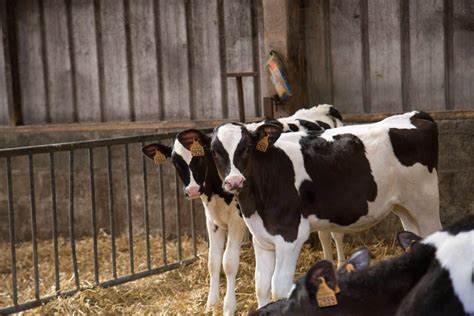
pixel 233 183
pixel 192 191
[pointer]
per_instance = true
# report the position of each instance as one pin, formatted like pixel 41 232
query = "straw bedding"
pixel 182 291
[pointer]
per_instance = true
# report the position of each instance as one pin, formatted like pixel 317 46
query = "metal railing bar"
pixel 54 216
pixel 72 235
pixel 145 211
pixel 129 209
pixel 111 211
pixel 178 215
pixel 93 216
pixel 41 149
pixel 33 226
pixel 193 227
pixel 11 224
pixel 162 216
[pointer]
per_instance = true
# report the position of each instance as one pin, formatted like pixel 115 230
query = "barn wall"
pixel 131 60
pixel 368 56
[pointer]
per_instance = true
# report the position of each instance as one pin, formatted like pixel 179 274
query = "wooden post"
pixel 268 111
pixel 240 90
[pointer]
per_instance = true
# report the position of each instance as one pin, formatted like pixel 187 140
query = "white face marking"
pixel 456 254
pixel 186 155
pixel 230 136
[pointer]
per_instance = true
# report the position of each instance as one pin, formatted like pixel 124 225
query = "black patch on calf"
pixel 310 126
pixel 463 225
pixel 416 145
pixel 182 168
pixel 293 127
pixel 323 125
pixel 342 179
pixel 334 112
pixel 274 122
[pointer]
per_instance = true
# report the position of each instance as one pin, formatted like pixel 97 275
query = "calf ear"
pixel 358 261
pixel 322 269
pixel 194 140
pixel 266 135
pixel 157 152
pixel 407 239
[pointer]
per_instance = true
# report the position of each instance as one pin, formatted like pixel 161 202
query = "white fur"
pixel 456 254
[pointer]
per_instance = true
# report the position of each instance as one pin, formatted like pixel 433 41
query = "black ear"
pixel 359 260
pixel 190 136
pixel 406 239
pixel 322 269
pixel 266 135
pixel 150 150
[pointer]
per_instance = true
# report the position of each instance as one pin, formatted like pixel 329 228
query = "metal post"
pixel 145 211
pixel 33 226
pixel 93 216
pixel 129 210
pixel 72 234
pixel 55 220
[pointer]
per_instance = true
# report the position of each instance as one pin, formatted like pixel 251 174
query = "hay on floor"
pixel 182 291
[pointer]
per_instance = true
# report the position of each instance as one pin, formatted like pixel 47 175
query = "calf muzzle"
pixel 234 183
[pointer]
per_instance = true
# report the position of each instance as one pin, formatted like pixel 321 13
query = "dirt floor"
pixel 182 291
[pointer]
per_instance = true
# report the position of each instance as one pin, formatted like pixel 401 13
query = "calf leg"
pixel 286 258
pixel 338 239
pixel 216 248
pixel 236 232
pixel 325 239
pixel 265 265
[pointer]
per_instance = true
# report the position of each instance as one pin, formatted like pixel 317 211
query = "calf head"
pixel 316 292
pixel 233 146
pixel 190 155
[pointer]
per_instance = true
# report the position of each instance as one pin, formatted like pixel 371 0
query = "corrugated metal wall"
pixel 128 60
pixel 390 55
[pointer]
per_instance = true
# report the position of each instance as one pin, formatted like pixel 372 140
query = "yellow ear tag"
pixel 196 149
pixel 262 144
pixel 159 158
pixel 325 296
pixel 350 268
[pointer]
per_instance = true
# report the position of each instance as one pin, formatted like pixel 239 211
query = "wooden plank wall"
pixel 131 60
pixel 368 56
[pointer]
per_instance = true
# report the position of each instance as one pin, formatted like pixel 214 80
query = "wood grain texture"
pixel 58 61
pixel 426 89
pixel 32 84
pixel 143 49
pixel 207 69
pixel 346 55
pixel 238 34
pixel 463 51
pixel 317 48
pixel 384 48
pixel 4 108
pixel 116 95
pixel 85 57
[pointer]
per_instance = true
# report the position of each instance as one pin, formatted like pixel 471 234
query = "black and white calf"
pixel 191 156
pixel 435 277
pixel 346 179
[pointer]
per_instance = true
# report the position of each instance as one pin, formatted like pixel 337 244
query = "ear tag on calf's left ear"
pixel 196 149
pixel 262 144
pixel 325 296
pixel 159 157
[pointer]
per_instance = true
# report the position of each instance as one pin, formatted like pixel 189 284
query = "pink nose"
pixel 192 191
pixel 233 183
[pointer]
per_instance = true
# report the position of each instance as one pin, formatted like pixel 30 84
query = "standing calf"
pixel 435 277
pixel 346 179
pixel 191 157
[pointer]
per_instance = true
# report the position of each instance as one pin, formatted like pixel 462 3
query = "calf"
pixel 191 156
pixel 433 278
pixel 346 179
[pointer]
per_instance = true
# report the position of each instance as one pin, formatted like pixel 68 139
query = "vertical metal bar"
pixel 33 225
pixel 129 210
pixel 145 212
pixel 162 216
pixel 193 227
pixel 240 96
pixel 111 211
pixel 72 236
pixel 54 220
pixel 93 216
pixel 178 215
pixel 11 224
